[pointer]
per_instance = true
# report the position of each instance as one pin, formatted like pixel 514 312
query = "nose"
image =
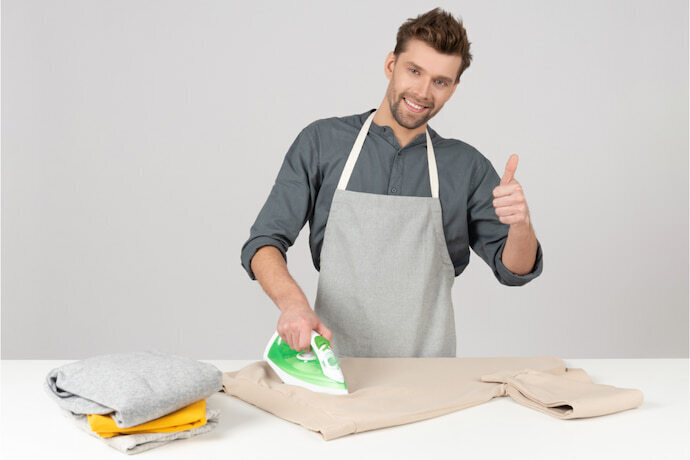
pixel 424 90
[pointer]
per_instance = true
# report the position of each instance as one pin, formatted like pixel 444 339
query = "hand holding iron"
pixel 295 325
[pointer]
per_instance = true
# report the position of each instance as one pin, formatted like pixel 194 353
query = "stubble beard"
pixel 406 118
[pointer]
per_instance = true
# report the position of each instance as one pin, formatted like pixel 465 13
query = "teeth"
pixel 414 105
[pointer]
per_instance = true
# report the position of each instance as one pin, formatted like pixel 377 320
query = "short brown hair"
pixel 440 30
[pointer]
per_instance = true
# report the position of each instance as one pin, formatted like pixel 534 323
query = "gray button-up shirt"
pixel 307 180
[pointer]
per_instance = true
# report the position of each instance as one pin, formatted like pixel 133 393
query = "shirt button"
pixel 393 190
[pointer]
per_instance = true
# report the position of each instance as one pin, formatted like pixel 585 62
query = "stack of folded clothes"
pixel 137 401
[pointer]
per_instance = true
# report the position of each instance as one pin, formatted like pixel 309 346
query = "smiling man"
pixel 393 209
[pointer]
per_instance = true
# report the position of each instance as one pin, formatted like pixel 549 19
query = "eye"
pixel 413 70
pixel 442 83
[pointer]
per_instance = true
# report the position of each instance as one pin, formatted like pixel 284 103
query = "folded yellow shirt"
pixel 186 418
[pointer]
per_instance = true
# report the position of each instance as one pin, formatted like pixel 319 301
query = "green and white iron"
pixel 316 370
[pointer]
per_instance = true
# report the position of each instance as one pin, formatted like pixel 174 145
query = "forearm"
pixel 520 251
pixel 271 271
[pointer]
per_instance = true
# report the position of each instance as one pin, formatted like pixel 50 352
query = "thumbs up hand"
pixel 509 201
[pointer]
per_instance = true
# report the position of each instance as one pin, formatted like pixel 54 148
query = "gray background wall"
pixel 140 140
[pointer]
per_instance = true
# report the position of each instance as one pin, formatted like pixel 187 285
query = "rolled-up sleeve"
pixel 487 234
pixel 291 201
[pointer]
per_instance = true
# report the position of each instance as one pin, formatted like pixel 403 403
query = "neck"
pixel 384 117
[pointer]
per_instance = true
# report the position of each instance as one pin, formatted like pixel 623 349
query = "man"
pixel 402 206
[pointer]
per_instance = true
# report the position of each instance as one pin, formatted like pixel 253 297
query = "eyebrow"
pixel 440 77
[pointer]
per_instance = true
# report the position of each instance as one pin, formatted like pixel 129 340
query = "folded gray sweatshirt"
pixel 134 387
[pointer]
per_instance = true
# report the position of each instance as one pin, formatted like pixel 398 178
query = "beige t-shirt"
pixel 385 392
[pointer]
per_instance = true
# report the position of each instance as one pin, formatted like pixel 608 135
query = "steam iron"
pixel 316 370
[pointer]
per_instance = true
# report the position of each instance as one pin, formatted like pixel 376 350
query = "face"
pixel 421 76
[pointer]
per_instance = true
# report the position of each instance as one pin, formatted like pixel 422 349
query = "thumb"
pixel 322 330
pixel 511 166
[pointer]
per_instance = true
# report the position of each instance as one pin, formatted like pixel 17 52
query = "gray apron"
pixel 386 276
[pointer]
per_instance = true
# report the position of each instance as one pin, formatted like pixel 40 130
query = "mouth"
pixel 414 107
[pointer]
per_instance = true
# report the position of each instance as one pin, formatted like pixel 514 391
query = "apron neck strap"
pixel 359 142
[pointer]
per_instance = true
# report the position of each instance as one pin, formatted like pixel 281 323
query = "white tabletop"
pixel 33 427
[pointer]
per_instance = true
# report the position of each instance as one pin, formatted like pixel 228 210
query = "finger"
pixel 509 210
pixel 514 219
pixel 304 339
pixel 505 190
pixel 290 340
pixel 504 201
pixel 511 166
pixel 509 200
pixel 324 332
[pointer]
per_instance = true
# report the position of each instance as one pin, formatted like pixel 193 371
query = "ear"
pixel 389 65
